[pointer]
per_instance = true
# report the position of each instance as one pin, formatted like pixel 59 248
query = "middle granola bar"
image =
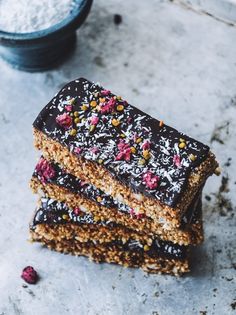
pixel 56 183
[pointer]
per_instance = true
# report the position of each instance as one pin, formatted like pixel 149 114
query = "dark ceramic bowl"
pixel 42 50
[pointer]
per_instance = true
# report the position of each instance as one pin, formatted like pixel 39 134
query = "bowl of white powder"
pixel 37 35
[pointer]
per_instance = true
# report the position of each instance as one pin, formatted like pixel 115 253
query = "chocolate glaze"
pixel 105 138
pixel 74 184
pixel 53 212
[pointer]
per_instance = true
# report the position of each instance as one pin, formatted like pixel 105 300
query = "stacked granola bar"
pixel 117 185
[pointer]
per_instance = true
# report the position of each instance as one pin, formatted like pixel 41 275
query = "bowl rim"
pixel 69 22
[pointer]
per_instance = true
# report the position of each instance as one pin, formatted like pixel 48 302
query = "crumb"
pixel 117 19
pixel 207 197
pixel 233 305
pixel 228 163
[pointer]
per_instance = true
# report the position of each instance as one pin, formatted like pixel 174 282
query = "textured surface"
pixel 187 66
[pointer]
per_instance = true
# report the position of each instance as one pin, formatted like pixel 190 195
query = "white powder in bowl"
pixel 24 16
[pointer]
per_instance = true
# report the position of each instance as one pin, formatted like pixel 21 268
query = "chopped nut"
pixel 133 150
pixel 99 199
pixel 192 157
pixel 142 162
pixel 102 99
pixel 119 108
pixel 161 123
pixel 73 132
pixel 138 140
pixel 84 107
pixel 72 101
pixel 217 171
pixel 92 128
pixel 182 145
pixel 146 154
pixel 146 248
pixel 93 103
pixel 115 122
pixel 65 217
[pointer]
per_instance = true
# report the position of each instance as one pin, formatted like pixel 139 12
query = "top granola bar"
pixel 140 151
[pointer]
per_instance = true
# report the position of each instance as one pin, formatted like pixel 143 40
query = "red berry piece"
pixel 29 275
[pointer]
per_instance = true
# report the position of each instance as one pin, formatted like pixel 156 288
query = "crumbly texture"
pixel 87 232
pixel 112 253
pixel 98 176
pixel 190 234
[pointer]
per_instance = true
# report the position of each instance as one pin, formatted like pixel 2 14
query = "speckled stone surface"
pixel 178 66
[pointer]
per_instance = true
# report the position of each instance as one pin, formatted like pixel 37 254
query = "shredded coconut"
pixel 23 16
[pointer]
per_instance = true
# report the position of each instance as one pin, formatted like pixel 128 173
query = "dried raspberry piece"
pixel 124 151
pixel 45 170
pixel 177 160
pixel 94 120
pixel 94 150
pixel 146 145
pixel 77 211
pixel 29 275
pixel 64 121
pixel 68 108
pixel 108 107
pixel 78 150
pixel 150 180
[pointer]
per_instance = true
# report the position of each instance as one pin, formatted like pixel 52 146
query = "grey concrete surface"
pixel 222 10
pixel 177 65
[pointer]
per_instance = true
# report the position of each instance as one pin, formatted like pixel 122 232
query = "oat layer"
pixel 114 253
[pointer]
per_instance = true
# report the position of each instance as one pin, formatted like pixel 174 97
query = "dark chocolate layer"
pixel 53 212
pixel 52 173
pixel 140 151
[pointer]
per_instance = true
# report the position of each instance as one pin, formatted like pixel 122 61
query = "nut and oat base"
pixel 98 176
pixel 191 234
pixel 112 253
pixel 87 232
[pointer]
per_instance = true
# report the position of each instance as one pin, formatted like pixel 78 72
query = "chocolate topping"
pixel 98 126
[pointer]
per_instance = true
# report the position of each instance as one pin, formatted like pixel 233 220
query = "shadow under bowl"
pixel 44 49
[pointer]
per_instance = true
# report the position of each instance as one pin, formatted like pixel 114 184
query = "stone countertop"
pixel 177 65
